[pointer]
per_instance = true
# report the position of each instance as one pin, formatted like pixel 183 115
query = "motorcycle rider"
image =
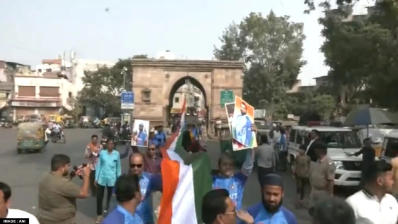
pixel 57 131
pixel 125 131
pixel 107 133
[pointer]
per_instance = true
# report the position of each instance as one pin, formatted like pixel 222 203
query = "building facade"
pixel 41 95
pixel 155 83
pixel 7 73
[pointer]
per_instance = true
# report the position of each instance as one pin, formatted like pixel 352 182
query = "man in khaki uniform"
pixel 57 193
pixel 321 175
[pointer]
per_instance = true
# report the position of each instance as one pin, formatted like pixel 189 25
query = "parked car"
pixel 263 128
pixel 4 122
pixel 85 122
pixel 390 146
pixel 341 143
pixel 34 118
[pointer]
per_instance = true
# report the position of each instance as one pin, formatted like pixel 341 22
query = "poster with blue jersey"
pixel 229 109
pixel 242 123
pixel 140 133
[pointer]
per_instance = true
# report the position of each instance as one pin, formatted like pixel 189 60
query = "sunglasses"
pixel 135 165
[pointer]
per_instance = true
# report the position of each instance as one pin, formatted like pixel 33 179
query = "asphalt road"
pixel 24 171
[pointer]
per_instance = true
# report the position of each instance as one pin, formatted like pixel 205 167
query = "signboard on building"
pixel 226 96
pixel 127 100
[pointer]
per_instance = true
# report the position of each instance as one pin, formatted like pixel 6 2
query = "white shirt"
pixel 277 137
pixel 368 209
pixel 16 213
pixel 266 156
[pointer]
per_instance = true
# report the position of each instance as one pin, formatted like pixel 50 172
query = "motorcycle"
pixel 97 123
pixel 57 137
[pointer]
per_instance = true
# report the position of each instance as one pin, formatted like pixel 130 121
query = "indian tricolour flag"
pixel 186 178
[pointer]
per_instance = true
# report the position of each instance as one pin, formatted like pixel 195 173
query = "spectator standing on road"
pixel 282 150
pixel 368 154
pixel 332 210
pixel 275 134
pixel 91 154
pixel 148 183
pixel 301 173
pixel 6 211
pixel 233 182
pixel 57 193
pixel 160 137
pixel 373 204
pixel 266 158
pixel 314 141
pixel 218 208
pixel 151 137
pixel 128 196
pixel 321 175
pixel 271 210
pixel 107 171
pixel 152 160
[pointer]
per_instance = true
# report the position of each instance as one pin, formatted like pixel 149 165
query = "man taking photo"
pixel 57 193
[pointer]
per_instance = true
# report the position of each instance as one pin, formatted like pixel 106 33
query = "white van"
pixel 340 143
pixel 390 146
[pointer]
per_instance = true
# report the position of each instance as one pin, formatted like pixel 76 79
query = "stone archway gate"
pixel 153 82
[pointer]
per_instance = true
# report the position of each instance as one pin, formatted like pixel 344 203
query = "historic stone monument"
pixel 156 81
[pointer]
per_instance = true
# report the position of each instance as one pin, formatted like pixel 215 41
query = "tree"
pixel 271 48
pixel 362 55
pixel 311 105
pixel 326 4
pixel 103 87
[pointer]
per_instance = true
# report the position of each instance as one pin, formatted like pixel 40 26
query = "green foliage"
pixel 103 87
pixel 311 105
pixel 311 4
pixel 362 55
pixel 271 47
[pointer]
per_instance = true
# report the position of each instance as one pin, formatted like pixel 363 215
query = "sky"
pixel 113 29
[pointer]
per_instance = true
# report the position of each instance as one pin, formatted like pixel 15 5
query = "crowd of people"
pixel 138 189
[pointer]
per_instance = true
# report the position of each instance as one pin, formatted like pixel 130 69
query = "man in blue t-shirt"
pixel 128 197
pixel 233 182
pixel 271 210
pixel 148 183
pixel 160 137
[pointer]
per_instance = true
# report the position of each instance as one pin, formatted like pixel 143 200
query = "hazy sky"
pixel 32 30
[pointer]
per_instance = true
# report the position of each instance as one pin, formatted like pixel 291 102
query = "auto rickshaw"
pixel 31 137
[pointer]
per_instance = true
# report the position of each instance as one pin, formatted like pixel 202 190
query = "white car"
pixel 341 142
pixel 390 146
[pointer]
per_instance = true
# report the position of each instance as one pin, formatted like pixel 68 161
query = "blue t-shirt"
pixel 121 216
pixel 235 186
pixel 160 139
pixel 262 216
pixel 243 130
pixel 148 184
pixel 141 138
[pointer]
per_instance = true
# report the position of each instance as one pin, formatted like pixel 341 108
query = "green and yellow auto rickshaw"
pixel 31 136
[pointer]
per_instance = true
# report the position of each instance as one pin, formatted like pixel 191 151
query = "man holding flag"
pixel 186 179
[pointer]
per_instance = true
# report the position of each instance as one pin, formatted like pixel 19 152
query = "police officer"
pixel 321 174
